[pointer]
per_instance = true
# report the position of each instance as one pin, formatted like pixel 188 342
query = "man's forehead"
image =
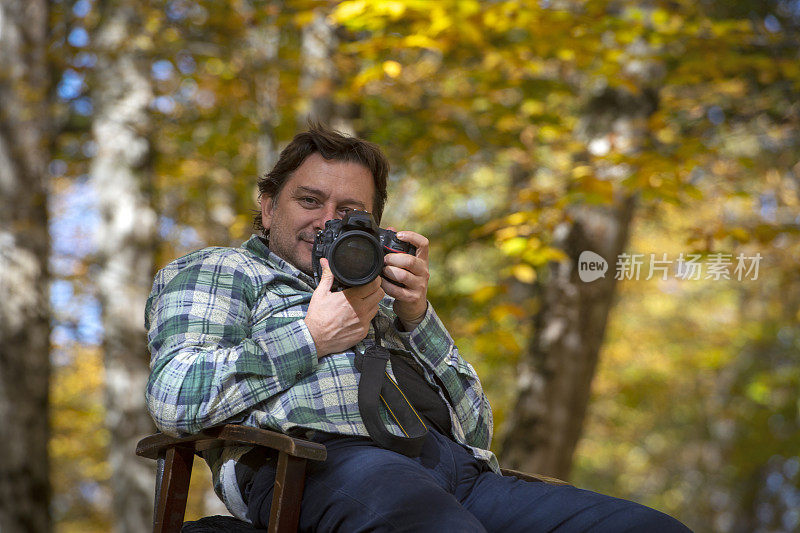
pixel 348 181
pixel 316 166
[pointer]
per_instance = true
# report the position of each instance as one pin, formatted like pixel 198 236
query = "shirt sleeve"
pixel 431 342
pixel 209 365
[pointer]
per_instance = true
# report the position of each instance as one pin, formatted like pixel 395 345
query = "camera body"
pixel 354 247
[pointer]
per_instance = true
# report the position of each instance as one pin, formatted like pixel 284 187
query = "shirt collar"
pixel 258 246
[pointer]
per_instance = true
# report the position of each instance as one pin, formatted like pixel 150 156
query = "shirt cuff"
pixel 429 339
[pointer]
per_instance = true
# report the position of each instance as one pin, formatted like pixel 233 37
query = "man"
pixel 246 335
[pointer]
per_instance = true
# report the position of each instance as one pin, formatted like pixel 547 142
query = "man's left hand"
pixel 410 302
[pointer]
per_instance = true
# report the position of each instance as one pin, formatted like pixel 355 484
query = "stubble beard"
pixel 291 252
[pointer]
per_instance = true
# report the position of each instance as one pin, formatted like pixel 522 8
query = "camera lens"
pixel 355 257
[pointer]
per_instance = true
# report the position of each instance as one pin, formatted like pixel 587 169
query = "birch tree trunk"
pixel 319 76
pixel 265 45
pixel 25 144
pixel 120 175
pixel 555 374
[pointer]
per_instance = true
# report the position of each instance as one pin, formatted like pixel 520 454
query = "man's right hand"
pixel 339 320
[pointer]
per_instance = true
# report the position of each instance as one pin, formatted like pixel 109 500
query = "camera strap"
pixel 375 387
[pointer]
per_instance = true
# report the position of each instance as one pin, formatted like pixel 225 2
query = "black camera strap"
pixel 375 387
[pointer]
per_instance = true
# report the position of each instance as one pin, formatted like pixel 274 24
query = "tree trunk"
pixel 319 76
pixel 25 144
pixel 265 45
pixel 126 239
pixel 555 374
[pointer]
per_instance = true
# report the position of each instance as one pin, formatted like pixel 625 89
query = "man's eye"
pixel 309 200
pixel 345 210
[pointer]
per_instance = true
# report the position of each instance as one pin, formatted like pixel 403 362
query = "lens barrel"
pixel 355 258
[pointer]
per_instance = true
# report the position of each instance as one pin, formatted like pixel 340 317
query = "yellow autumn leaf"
pixel 393 69
pixel 660 18
pixel 421 41
pixel 581 171
pixel 484 294
pixel 532 107
pixel 524 273
pixel 514 246
pixel 348 10
pixel 506 233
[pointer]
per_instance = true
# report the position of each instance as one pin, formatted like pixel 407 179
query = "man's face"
pixel 318 191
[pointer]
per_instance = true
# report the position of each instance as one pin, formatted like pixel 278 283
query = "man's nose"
pixel 326 214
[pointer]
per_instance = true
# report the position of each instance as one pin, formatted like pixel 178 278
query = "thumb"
pixel 326 280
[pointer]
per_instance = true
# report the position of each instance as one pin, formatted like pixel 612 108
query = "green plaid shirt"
pixel 229 344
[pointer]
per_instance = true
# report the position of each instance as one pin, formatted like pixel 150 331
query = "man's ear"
pixel 267 209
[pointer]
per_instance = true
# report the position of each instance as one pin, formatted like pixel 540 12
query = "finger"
pixel 401 275
pixel 367 314
pixel 391 289
pixel 326 280
pixel 363 291
pixel 415 265
pixel 374 299
pixel 417 240
pixel 366 308
pixel 402 294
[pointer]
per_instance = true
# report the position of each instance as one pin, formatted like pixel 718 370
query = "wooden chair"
pixel 175 457
pixel 174 469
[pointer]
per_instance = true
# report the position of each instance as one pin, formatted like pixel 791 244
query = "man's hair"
pixel 331 145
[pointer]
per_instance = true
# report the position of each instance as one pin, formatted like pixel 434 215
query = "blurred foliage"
pixel 483 109
pixel 77 446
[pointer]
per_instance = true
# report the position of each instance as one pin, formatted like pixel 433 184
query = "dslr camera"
pixel 354 247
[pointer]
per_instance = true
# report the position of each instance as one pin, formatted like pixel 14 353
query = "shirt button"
pixel 298 375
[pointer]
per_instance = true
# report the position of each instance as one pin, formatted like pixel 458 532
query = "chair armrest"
pixel 533 477
pixel 232 435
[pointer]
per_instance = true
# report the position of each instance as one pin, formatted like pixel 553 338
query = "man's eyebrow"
pixel 310 190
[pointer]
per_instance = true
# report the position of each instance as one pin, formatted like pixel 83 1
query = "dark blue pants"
pixel 362 487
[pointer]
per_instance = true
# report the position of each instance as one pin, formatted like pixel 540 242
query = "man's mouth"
pixel 307 239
